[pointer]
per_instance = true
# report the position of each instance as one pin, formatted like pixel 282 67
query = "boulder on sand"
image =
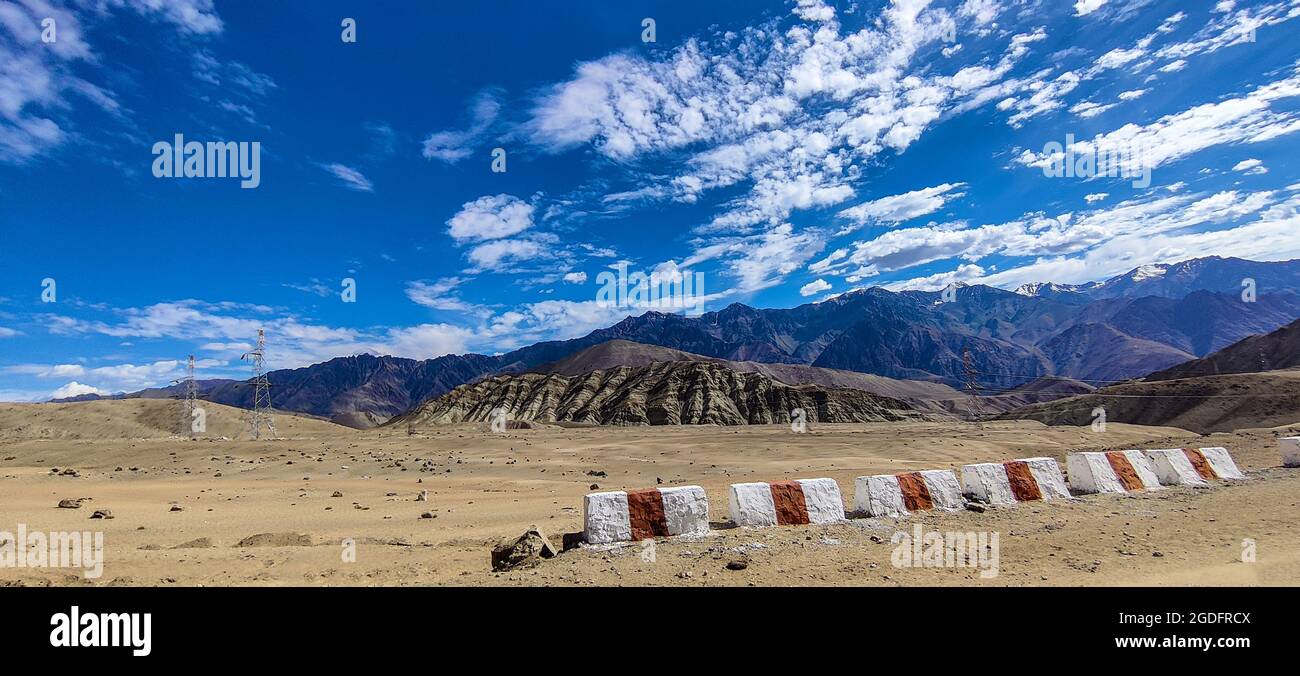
pixel 526 550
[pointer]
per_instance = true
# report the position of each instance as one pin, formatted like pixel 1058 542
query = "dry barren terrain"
pixel 484 486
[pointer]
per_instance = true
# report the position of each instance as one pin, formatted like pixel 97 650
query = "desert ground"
pixel 486 486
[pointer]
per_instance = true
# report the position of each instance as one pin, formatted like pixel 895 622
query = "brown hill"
pixel 139 419
pixel 661 393
pixel 1277 350
pixel 1220 403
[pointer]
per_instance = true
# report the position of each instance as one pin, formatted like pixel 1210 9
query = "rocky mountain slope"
pixel 1221 403
pixel 1277 350
pixel 925 396
pixel 662 393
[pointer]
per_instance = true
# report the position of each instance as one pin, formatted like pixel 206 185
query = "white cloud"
pixel 1089 109
pixel 454 146
pixel 1037 235
pixel 353 179
pixel 575 277
pixel 6 332
pixel 1132 94
pixel 1250 118
pixel 1085 7
pixel 498 255
pixel 896 209
pixel 939 280
pixel 439 295
pixel 35 76
pixel 1251 167
pixel 75 389
pixel 192 16
pixel 426 341
pixel 787 111
pixel 814 287
pixel 1095 197
pixel 490 217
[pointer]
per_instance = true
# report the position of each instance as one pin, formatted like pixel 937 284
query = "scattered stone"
pixel 1158 555
pixel 423 496
pixel 976 507
pixel 336 494
pixel 70 503
pixel 276 540
pixel 595 487
pixel 737 564
pixel 527 550
pixel 197 543
pixel 176 508
pixel 102 514
pixel 428 515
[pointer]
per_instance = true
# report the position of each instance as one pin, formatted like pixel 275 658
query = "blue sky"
pixel 787 151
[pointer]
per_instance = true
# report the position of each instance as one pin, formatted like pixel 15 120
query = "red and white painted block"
pixel 1193 466
pixel 1111 472
pixel 1006 483
pixel 902 494
pixel 1290 447
pixel 620 516
pixel 786 503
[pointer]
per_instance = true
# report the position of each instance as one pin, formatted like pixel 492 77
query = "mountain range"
pixel 1151 318
pixel 1252 383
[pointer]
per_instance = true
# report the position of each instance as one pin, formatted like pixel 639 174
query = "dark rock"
pixel 572 540
pixel 526 550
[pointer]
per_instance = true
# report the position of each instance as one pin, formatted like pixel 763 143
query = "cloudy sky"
pixel 788 151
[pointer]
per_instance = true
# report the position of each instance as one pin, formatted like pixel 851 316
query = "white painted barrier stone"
pixel 1051 483
pixel 1173 468
pixel 822 500
pixel 686 509
pixel 901 494
pixel 1290 448
pixel 1006 483
pixel 752 505
pixel 1221 462
pixel 1111 472
pixel 620 516
pixel 605 518
pixel 987 482
pixel 802 501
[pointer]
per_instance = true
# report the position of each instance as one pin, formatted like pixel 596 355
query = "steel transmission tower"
pixel 259 418
pixel 191 397
pixel 972 385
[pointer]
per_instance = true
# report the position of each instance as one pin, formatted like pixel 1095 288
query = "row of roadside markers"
pixel 620 516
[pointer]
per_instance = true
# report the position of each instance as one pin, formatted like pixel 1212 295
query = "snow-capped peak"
pixel 1145 272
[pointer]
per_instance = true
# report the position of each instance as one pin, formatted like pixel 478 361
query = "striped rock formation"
pixel 901 494
pixel 1290 447
pixel 1193 466
pixel 619 516
pixel 786 503
pixel 1111 472
pixel 1006 483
